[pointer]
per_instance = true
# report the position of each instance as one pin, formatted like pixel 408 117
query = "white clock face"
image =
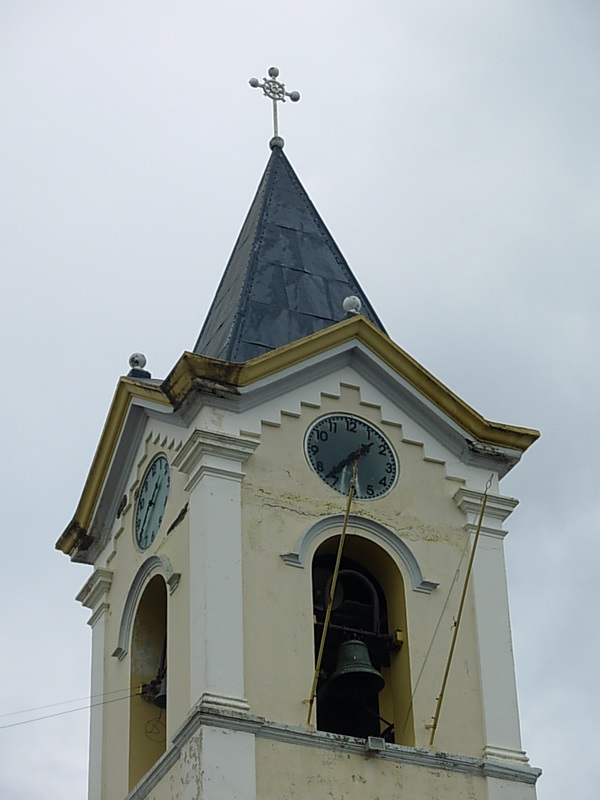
pixel 152 501
pixel 334 443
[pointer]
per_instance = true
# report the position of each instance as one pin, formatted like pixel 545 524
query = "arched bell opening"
pixel 148 681
pixel 364 682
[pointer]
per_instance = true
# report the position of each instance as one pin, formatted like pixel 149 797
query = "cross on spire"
pixel 274 90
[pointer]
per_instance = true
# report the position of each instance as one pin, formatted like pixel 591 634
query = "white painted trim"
pixel 503 754
pixel 224 445
pixel 514 771
pixel 497 506
pixel 94 593
pixel 162 566
pixel 297 557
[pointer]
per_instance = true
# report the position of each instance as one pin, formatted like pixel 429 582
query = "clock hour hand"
pixel 354 455
pixel 151 503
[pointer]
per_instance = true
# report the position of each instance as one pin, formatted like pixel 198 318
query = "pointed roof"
pixel 286 278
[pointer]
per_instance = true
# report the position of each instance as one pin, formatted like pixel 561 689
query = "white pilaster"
pixel 213 462
pixel 94 595
pixel 496 662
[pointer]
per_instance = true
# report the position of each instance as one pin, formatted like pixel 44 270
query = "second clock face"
pixel 333 444
pixel 152 501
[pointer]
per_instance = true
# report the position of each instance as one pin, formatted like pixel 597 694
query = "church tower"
pixel 283 532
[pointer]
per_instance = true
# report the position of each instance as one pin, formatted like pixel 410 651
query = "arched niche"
pixel 147 665
pixel 388 539
pixel 154 564
pixel 368 571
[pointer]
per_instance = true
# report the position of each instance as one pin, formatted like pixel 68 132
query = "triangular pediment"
pixel 197 380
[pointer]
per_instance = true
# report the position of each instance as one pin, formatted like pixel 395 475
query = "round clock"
pixel 151 502
pixel 333 444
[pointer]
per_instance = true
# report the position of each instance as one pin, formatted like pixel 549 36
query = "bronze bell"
pixel 355 675
pixel 160 699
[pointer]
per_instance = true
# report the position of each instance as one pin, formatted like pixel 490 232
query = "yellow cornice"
pixel 193 371
pixel 192 367
pixel 126 390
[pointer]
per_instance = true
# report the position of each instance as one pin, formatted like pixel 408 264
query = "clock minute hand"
pixel 354 455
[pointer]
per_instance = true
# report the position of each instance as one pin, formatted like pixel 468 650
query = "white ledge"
pixel 237 720
pixel 497 506
pixel 224 445
pixel 94 593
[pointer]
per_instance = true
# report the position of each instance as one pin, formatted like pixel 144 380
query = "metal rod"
pixel 313 690
pixel 440 699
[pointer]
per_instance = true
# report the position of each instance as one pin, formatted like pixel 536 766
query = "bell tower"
pixel 283 531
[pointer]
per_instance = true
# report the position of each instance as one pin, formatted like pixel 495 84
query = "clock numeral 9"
pixel 314 449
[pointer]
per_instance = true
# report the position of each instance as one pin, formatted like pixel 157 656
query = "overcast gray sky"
pixel 452 150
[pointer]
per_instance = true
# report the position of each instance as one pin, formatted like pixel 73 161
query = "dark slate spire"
pixel 286 277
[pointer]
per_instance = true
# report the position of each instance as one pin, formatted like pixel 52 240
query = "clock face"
pixel 333 444
pixel 152 501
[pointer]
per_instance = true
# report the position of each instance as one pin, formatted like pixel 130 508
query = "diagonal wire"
pixel 68 711
pixel 62 703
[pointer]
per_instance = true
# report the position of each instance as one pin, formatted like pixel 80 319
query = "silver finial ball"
pixel 273 72
pixel 137 361
pixel 352 304
pixel 294 96
pixel 254 82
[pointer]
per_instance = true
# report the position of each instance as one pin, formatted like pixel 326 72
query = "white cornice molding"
pixel 222 445
pixel 494 533
pixel 94 594
pixel 231 719
pixel 297 557
pixel 504 754
pixel 498 507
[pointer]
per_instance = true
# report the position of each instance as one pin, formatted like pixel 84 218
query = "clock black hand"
pixel 150 504
pixel 361 449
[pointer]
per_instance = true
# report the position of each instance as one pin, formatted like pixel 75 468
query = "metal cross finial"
pixel 275 90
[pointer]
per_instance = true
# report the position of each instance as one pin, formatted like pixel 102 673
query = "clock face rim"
pixel 344 488
pixel 144 542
